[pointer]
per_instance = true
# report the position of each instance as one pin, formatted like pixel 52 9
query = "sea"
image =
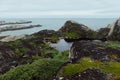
pixel 56 24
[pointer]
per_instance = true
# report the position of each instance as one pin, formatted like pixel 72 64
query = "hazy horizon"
pixel 59 9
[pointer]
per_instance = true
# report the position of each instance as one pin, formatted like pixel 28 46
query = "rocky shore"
pixel 10 26
pixel 94 55
pixel 11 38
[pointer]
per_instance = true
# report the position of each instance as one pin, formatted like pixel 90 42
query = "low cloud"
pixel 59 8
pixel 50 14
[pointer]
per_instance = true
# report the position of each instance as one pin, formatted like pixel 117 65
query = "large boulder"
pixel 94 49
pixel 114 33
pixel 74 30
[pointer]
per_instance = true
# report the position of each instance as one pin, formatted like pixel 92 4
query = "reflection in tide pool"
pixel 62 45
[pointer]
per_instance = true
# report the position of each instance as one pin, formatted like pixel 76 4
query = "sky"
pixel 59 8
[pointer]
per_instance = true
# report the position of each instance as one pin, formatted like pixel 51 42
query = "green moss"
pixel 18 52
pixel 110 44
pixel 41 69
pixel 15 44
pixel 85 63
pixel 72 35
pixel 33 37
pixel 21 50
pixel 50 53
pixel 111 67
pixel 62 56
pixel 93 35
pixel 37 57
pixel 71 69
pixel 115 31
pixel 53 39
pixel 113 44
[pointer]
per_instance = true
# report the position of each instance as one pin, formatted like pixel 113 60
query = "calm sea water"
pixel 57 23
pixel 62 45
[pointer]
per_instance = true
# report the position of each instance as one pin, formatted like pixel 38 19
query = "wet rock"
pixel 13 63
pixel 94 49
pixel 89 74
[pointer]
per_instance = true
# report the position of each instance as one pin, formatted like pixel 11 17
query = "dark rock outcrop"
pixel 94 49
pixel 102 33
pixel 89 74
pixel 74 30
pixel 49 35
pixel 114 33
pixel 45 33
pixel 6 56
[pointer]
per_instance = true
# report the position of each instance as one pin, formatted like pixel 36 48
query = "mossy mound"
pixel 41 69
pixel 88 63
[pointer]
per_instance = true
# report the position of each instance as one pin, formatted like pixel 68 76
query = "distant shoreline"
pixel 18 25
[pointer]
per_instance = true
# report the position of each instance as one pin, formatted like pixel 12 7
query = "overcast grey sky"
pixel 60 8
